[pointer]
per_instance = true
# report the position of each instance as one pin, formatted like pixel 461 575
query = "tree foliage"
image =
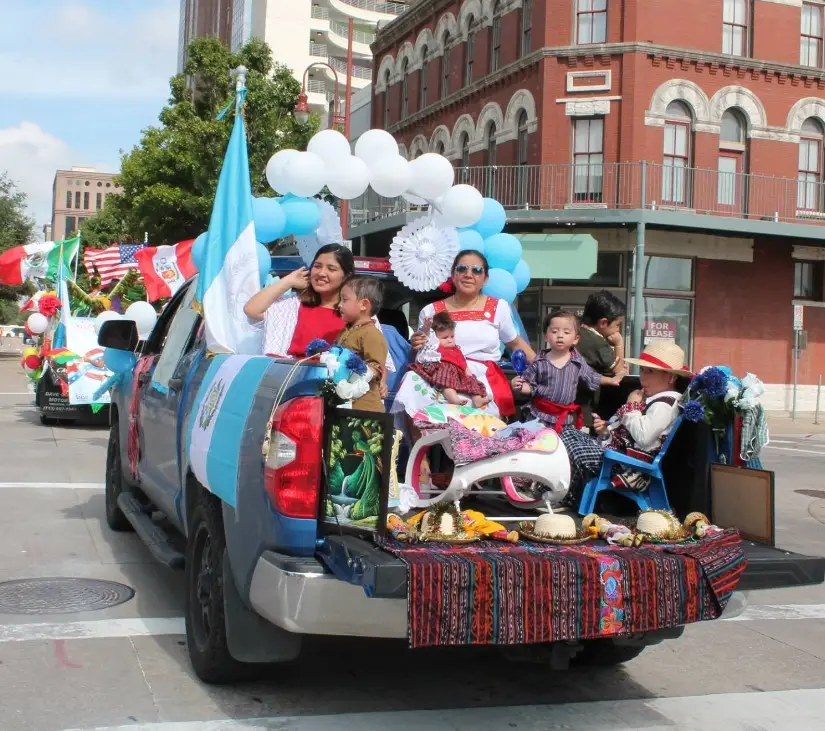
pixel 169 179
pixel 16 228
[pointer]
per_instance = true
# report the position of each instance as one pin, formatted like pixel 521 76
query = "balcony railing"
pixel 377 7
pixel 632 185
pixel 358 36
pixel 358 72
pixel 318 50
pixel 319 12
pixel 317 86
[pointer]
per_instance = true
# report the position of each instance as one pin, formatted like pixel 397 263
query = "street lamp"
pixel 302 110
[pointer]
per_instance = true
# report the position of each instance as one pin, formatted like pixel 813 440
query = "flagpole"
pixel 77 257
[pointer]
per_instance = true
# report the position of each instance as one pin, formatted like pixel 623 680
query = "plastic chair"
pixel 653 498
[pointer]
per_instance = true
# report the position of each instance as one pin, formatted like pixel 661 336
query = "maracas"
pixel 519 361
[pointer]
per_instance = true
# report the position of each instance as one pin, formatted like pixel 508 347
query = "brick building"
pixel 685 137
pixel 77 194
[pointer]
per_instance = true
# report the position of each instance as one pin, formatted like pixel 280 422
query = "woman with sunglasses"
pixel 482 323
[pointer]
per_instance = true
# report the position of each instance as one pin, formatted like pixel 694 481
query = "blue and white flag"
pixel 59 338
pixel 230 275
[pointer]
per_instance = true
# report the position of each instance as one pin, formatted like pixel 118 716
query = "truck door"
pixel 160 397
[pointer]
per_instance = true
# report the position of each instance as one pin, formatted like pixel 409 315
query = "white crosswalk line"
pixel 760 612
pixel 792 449
pixel 93 629
pixel 52 485
pixel 800 710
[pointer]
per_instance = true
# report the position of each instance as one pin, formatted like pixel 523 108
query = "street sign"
pixel 797 316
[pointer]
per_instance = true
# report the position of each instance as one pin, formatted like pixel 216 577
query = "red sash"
pixel 560 411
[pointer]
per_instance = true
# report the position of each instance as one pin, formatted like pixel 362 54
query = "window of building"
pixel 77 199
pixel 99 185
pixel 609 269
pixel 86 200
pixel 71 227
pixel 465 153
pixel 588 159
pixel 811 35
pixel 809 191
pixel 68 199
pixel 470 51
pixel 495 39
pixel 591 21
pixel 424 80
pixel 439 148
pixel 667 274
pixel 86 183
pixel 405 89
pixel 526 27
pixel 445 67
pixel 98 201
pixel 490 159
pixel 807 280
pixel 522 155
pixel 387 99
pixel 735 27
pixel 732 162
pixel 676 154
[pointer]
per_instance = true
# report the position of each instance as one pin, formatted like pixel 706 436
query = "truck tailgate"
pixel 357 561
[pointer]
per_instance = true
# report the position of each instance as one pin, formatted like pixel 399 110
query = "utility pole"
pixel 347 118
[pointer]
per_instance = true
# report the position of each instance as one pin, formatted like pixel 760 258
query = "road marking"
pixel 52 485
pixel 797 709
pixel 92 630
pixel 790 449
pixel 15 393
pixel 759 612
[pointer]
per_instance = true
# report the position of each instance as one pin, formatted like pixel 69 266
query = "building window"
pixel 77 199
pixel 495 39
pixel 809 191
pixel 735 27
pixel 490 160
pixel 445 67
pixel 676 154
pixel 807 280
pixel 405 89
pixel 526 27
pixel 439 148
pixel 732 160
pixel 387 100
pixel 71 227
pixel 465 150
pixel 469 51
pixel 68 199
pixel 588 159
pixel 591 21
pixel 86 201
pixel 811 35
pixel 98 201
pixel 424 81
pixel 522 155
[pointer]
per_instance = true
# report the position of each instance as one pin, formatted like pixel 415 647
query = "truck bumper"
pixel 298 596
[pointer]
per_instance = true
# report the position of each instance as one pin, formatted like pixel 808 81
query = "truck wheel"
pixel 205 620
pixel 114 482
pixel 47 420
pixel 606 653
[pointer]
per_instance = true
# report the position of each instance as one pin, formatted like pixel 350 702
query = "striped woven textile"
pixel 501 594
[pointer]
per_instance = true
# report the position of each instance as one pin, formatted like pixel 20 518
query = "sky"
pixel 79 80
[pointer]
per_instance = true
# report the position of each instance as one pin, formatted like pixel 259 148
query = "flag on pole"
pixel 59 339
pixel 113 262
pixel 165 268
pixel 36 261
pixel 230 274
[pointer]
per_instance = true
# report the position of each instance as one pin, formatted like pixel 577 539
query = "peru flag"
pixel 165 268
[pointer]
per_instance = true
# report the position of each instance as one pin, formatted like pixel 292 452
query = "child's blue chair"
pixel 653 498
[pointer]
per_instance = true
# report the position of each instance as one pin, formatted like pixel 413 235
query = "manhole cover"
pixel 61 595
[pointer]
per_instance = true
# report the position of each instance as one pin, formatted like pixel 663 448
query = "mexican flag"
pixel 37 261
pixel 165 268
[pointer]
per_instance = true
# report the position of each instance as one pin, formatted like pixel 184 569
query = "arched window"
pixel 490 159
pixel 445 67
pixel 405 88
pixel 465 150
pixel 526 27
pixel 732 166
pixel 495 38
pixel 439 148
pixel 386 99
pixel 470 50
pixel 809 192
pixel 676 155
pixel 422 89
pixel 522 155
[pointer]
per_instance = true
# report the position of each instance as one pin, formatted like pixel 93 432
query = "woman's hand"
pixel 636 397
pixel 418 340
pixel 599 425
pixel 299 279
pixel 261 301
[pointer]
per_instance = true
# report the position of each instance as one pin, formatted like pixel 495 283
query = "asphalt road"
pixel 126 667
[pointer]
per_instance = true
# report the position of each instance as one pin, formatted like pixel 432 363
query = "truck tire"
pixel 205 621
pixel 606 653
pixel 114 481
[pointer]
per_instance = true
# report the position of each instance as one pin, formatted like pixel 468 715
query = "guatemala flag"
pixel 230 273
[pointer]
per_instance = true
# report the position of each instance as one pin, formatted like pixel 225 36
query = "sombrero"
pixel 663 355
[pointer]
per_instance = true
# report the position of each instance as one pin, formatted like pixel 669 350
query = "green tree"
pixel 16 228
pixel 169 179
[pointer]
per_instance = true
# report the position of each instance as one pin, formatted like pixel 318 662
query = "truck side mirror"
pixel 118 334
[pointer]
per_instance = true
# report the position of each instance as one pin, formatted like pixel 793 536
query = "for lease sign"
pixel 660 330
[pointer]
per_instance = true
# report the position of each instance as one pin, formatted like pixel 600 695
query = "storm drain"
pixel 61 595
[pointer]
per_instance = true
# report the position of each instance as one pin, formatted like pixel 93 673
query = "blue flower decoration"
pixel 716 382
pixel 698 382
pixel 356 365
pixel 316 346
pixel 694 411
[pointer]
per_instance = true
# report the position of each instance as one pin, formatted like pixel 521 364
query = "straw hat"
pixel 663 355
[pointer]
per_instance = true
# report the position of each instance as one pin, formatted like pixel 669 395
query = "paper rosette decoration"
pixel 329 232
pixel 422 254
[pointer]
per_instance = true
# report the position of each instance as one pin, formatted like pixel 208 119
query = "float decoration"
pixel 328 232
pixel 422 254
pixel 347 374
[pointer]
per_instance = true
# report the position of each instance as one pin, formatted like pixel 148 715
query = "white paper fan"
pixel 422 253
pixel 329 232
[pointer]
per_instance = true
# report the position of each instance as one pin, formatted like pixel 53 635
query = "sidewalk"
pixel 781 423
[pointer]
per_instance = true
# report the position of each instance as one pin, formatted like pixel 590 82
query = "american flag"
pixel 113 262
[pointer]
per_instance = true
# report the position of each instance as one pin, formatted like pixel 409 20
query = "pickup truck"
pixel 255 581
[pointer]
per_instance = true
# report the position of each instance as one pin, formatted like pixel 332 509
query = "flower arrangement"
pixel 348 375
pixel 715 395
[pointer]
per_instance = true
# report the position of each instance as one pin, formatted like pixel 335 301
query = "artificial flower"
pixel 694 411
pixel 715 382
pixel 48 305
pixel 319 345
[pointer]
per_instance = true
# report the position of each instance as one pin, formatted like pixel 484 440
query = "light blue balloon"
pixel 119 361
pixel 269 218
pixel 470 240
pixel 199 250
pixel 492 219
pixel 522 275
pixel 302 215
pixel 264 263
pixel 503 251
pixel 501 285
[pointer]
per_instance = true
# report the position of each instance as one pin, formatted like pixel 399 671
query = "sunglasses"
pixel 475 269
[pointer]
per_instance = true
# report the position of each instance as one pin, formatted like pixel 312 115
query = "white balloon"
pixel 390 176
pixel 375 145
pixel 431 176
pixel 304 174
pixel 414 199
pixel 144 316
pixel 105 316
pixel 275 170
pixel 347 178
pixel 462 205
pixel 330 145
pixel 38 323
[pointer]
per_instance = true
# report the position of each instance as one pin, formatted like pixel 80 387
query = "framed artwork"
pixel 743 498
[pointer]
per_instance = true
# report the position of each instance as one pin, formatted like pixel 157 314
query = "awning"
pixel 560 256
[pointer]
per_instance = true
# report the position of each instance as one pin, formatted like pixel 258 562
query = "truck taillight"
pixel 292 473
